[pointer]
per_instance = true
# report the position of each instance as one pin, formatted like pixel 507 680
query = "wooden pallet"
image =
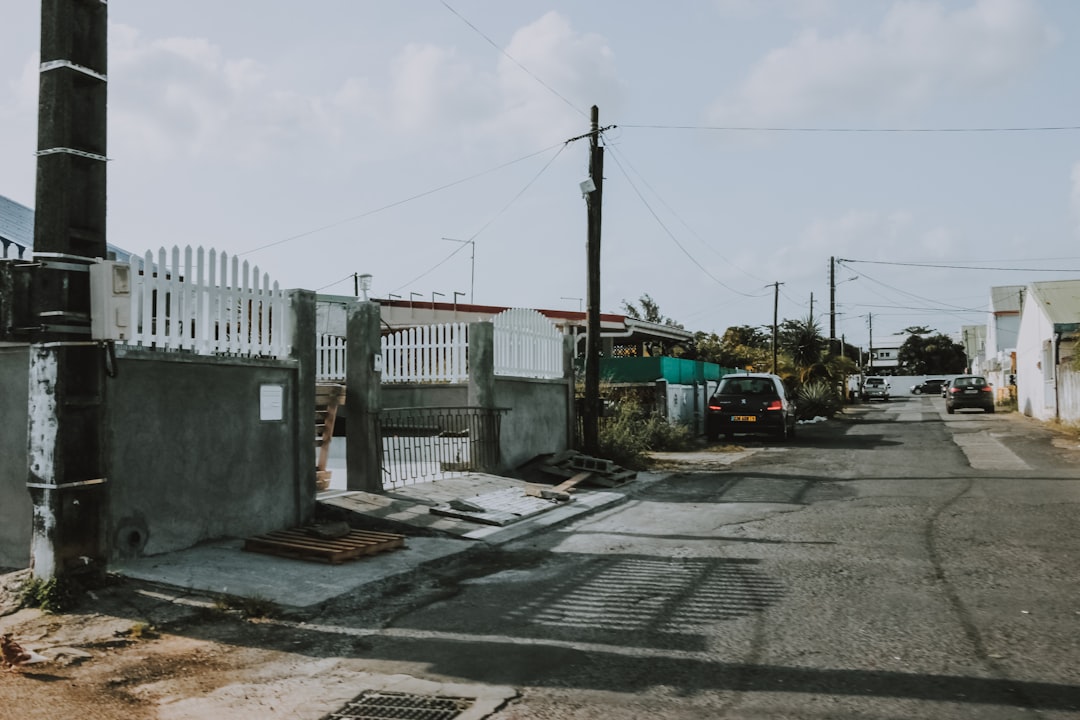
pixel 297 543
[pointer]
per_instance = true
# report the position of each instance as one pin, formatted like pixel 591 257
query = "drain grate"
pixel 384 705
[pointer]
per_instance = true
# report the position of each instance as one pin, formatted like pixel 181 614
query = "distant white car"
pixel 875 387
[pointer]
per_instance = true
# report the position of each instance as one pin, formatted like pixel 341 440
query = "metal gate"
pixel 424 444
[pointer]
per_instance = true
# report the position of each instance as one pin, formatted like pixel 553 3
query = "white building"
pixel 1002 328
pixel 1046 341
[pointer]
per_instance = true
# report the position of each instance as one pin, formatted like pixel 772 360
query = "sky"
pixel 934 145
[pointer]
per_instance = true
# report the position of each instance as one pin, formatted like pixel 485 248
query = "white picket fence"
pixel 330 359
pixel 527 345
pixel 427 354
pixel 206 303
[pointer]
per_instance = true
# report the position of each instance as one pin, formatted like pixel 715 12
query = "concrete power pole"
pixel 775 316
pixel 594 201
pixel 832 307
pixel 66 471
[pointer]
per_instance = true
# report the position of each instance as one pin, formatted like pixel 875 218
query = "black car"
pixel 930 387
pixel 750 403
pixel 969 391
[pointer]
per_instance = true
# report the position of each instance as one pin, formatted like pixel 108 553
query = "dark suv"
pixel 750 403
pixel 969 391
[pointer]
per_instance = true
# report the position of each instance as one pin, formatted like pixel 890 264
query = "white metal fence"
pixel 527 345
pixel 427 354
pixel 206 303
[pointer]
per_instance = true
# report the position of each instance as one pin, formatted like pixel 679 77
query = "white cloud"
pixel 431 88
pixel 578 70
pixel 919 52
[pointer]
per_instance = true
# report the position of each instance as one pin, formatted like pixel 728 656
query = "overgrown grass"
pixel 255 607
pixel 628 435
pixel 54 595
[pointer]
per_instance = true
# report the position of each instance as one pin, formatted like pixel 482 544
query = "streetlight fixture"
pixel 363 284
pixel 433 294
pixel 472 263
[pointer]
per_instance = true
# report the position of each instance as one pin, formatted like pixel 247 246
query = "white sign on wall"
pixel 271 402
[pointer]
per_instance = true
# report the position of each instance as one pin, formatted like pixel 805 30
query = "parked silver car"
pixel 875 387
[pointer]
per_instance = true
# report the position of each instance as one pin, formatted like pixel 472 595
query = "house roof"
pixel 397 313
pixel 1059 300
pixel 17 226
pixel 1005 299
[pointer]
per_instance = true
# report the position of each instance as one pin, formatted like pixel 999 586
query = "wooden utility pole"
pixel 870 323
pixel 832 306
pixel 775 321
pixel 594 201
pixel 66 471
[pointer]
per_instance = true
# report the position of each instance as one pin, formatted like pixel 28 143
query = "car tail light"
pixel 775 405
pixel 987 388
pixel 954 390
pixel 715 408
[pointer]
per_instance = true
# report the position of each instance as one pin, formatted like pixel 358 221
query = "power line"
pixel 336 282
pixel 512 59
pixel 747 128
pixel 489 222
pixel 668 232
pixel 962 267
pixel 685 224
pixel 431 269
pixel 520 193
pixel 396 203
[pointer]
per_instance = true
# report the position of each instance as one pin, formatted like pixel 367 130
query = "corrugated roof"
pixel 17 226
pixel 1005 298
pixel 16 222
pixel 1060 300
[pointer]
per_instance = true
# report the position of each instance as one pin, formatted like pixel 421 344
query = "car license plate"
pixel 743 418
pixel 970 391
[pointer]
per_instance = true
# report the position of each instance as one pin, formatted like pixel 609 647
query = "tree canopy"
pixel 933 355
pixel 649 311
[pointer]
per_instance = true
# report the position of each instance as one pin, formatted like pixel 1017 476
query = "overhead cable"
pixel 512 59
pixel 400 202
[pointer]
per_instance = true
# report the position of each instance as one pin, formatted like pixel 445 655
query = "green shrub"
pixel 54 595
pixel 818 399
pixel 630 432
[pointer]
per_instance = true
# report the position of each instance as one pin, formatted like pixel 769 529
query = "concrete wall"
pixel 401 395
pixel 538 421
pixel 190 458
pixel 15 507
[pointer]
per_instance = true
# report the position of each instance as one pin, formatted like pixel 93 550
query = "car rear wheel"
pixel 990 409
pixel 949 409
pixel 917 391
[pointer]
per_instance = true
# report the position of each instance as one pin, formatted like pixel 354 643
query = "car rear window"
pixel 747 386
pixel 969 381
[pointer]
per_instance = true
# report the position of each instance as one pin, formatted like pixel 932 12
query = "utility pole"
pixel 811 308
pixel 594 201
pixel 775 316
pixel 66 473
pixel 472 266
pixel 832 306
pixel 870 322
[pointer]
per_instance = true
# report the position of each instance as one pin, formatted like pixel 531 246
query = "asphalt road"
pixel 896 563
